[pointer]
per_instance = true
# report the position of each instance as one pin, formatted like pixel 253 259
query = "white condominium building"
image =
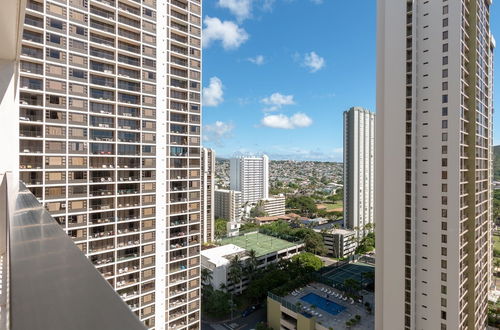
pixel 359 169
pixel 227 205
pixel 250 175
pixel 433 164
pixel 110 142
pixel 207 194
pixel 274 206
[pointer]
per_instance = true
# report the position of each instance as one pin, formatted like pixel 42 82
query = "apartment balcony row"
pixel 31 237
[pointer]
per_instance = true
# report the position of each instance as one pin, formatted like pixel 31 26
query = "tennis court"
pixel 355 271
pixel 262 244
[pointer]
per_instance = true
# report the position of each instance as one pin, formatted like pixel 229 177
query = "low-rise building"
pixel 340 243
pixel 268 250
pixel 274 206
pixel 228 205
pixel 313 222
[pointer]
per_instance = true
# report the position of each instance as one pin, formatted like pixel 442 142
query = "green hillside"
pixel 496 163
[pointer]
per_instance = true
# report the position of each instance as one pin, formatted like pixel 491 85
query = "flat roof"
pixel 217 255
pixel 262 244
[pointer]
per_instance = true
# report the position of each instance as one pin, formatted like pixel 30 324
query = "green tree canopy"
pixel 308 261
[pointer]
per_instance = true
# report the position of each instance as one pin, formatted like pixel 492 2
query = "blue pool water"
pixel 323 303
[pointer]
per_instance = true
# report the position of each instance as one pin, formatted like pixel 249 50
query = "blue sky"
pixel 278 74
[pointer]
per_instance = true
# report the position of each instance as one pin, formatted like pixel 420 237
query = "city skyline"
pixel 272 60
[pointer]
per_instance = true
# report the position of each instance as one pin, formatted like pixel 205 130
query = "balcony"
pixel 37 256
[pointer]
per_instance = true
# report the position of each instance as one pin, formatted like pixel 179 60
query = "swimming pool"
pixel 323 303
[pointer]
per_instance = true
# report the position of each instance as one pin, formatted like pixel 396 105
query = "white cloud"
pixel 277 100
pixel 228 33
pixel 267 5
pixel 213 95
pixel 314 61
pixel 217 132
pixel 317 2
pixel 282 121
pixel 242 9
pixel 259 59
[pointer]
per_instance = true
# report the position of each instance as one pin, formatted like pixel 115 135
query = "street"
pixel 241 323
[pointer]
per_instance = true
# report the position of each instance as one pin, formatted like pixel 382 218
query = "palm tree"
pixel 252 263
pixel 236 271
pixel 206 277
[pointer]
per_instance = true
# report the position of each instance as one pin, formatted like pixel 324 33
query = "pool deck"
pixel 336 321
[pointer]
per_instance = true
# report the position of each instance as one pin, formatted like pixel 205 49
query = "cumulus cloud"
pixel 242 9
pixel 217 132
pixel 282 121
pixel 277 100
pixel 228 33
pixel 259 59
pixel 213 95
pixel 313 61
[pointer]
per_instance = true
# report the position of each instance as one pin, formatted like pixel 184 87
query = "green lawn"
pixel 338 205
pixel 262 244
pixel 496 239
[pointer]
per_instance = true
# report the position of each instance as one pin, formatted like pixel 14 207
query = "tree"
pixel 304 204
pixel 308 261
pixel 235 271
pixel 258 210
pixel 217 303
pixel 252 263
pixel 220 228
pixel 206 276
pixel 352 286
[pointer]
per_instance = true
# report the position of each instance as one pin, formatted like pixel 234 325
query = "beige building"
pixel 228 205
pixel 110 142
pixel 274 206
pixel 433 164
pixel 207 194
pixel 340 243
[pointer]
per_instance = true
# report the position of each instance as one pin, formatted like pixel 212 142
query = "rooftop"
pixel 262 244
pixel 218 255
pixel 325 298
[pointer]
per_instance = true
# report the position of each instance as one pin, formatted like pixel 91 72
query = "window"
pixel 444 98
pixel 56 24
pixel 445 85
pixel 444 213
pixel 445 10
pixel 55 39
pixel 444 239
pixel 445 35
pixel 444 137
pixel 444 124
pixel 445 48
pixel 443 315
pixel 445 22
pixel 444 226
pixel 445 73
pixel 445 60
pixel 444 150
pixel 55 54
pixel 444 162
pixel 444 111
pixel 78 74
pixel 80 30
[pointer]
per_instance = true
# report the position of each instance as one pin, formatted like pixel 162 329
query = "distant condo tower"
pixel 359 158
pixel 250 175
pixel 433 164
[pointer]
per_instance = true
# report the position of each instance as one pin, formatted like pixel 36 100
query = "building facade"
pixel 359 169
pixel 228 205
pixel 110 142
pixel 274 206
pixel 250 175
pixel 340 243
pixel 207 194
pixel 434 136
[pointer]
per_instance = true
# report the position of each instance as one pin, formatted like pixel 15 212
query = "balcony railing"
pixel 46 275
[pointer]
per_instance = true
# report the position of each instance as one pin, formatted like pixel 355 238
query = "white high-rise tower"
pixel 433 164
pixel 359 169
pixel 250 175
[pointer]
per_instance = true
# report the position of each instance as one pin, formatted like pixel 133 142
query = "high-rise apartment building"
pixel 433 164
pixel 250 175
pixel 227 205
pixel 110 142
pixel 359 169
pixel 207 194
